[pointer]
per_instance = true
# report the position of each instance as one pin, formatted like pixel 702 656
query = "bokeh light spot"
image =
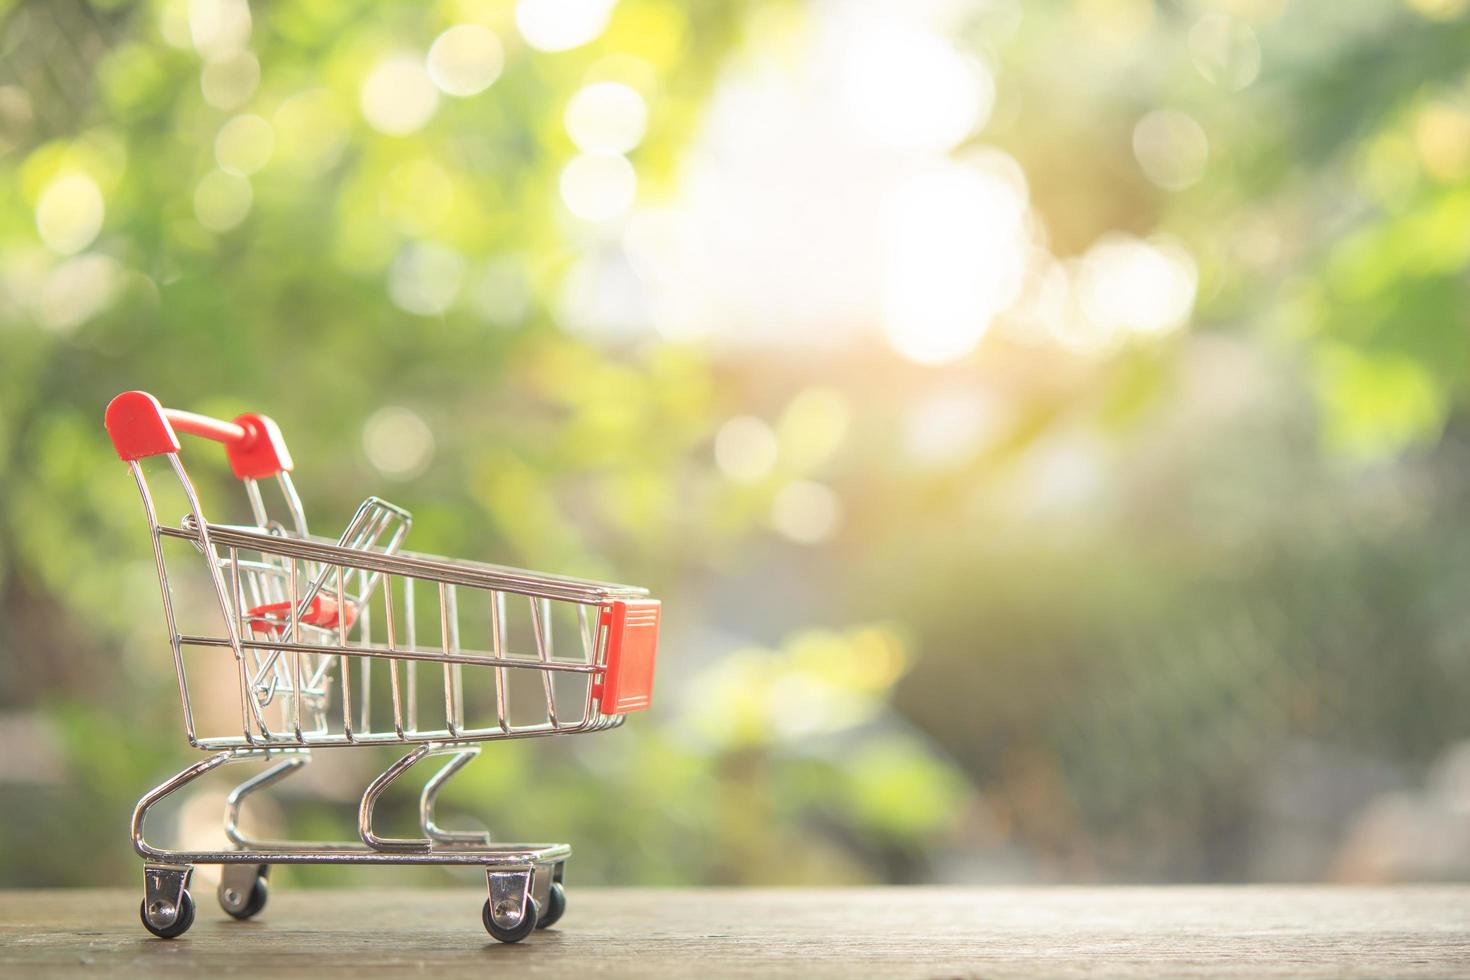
pixel 805 512
pixel 229 82
pixel 243 145
pixel 948 425
pixel 465 60
pixel 77 289
pixel 1439 9
pixel 398 97
pixel 1127 285
pixel 598 187
pixel 221 200
pixel 953 257
pixel 425 278
pixel 1442 137
pixel 745 449
pixel 1171 149
pixel 910 89
pixel 606 117
pixel 560 25
pixel 812 427
pixel 219 27
pixel 69 213
pixel 398 442
pixel 1225 51
pixel 173 23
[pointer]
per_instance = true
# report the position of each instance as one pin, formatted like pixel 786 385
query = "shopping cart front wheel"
pixel 495 913
pixel 167 909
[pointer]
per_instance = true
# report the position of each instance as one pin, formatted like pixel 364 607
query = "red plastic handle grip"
pixel 202 425
pixel 141 427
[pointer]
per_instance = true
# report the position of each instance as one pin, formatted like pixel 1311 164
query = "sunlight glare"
pixel 907 88
pixel 953 256
pixel 1129 285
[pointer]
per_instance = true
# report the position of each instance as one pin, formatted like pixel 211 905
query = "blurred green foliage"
pixel 546 451
pixel 1089 643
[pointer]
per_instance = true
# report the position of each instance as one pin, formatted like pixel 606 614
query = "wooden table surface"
pixel 889 932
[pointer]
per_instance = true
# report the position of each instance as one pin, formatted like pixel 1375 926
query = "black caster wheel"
pixel 178 927
pixel 247 906
pixel 556 904
pixel 517 932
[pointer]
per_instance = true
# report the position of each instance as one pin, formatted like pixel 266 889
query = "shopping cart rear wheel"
pixel 517 932
pixel 253 903
pixel 181 922
pixel 556 904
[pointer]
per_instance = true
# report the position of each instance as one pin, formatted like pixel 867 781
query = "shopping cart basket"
pixel 320 643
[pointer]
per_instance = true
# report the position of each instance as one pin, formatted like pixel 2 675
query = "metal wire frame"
pixel 287 655
pixel 304 658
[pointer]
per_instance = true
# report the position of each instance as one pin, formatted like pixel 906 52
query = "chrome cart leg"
pixel 157 855
pixel 510 913
pixel 370 799
pixel 291 763
pixel 432 830
pixel 243 889
pixel 168 909
pixel 433 833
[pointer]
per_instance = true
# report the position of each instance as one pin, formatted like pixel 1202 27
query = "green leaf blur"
pixel 1112 592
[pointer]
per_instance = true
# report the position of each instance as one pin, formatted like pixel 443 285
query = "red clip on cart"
pixel 354 642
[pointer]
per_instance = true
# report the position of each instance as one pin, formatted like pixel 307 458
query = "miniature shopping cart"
pixel 300 642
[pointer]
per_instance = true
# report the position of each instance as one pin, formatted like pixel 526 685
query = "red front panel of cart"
pixel 632 643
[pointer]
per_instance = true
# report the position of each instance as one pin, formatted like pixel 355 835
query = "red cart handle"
pixel 141 427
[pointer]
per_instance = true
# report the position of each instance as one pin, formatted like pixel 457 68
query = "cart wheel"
pixel 556 904
pixel 517 932
pixel 253 902
pixel 178 927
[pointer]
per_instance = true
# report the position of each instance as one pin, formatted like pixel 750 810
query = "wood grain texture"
pixel 891 932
